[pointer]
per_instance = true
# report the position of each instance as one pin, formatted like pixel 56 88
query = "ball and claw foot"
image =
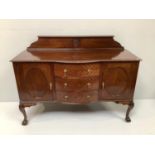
pixel 22 109
pixel 130 107
pixel 127 119
pixel 25 122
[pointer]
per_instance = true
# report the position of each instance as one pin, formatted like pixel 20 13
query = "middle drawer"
pixel 83 84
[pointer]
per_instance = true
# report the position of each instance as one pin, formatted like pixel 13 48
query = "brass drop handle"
pixel 65 72
pixel 66 97
pixel 89 70
pixel 88 96
pixel 88 84
pixel 65 84
pixel 102 85
pixel 50 85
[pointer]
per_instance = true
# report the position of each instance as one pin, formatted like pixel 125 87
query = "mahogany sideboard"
pixel 75 70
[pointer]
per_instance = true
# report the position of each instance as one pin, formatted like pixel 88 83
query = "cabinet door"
pixel 118 80
pixel 34 81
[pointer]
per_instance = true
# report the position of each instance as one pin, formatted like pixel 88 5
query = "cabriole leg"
pixel 130 107
pixel 22 109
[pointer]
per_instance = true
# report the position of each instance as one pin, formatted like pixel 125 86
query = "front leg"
pixel 130 107
pixel 22 109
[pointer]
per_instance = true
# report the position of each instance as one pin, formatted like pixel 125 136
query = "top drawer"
pixel 76 70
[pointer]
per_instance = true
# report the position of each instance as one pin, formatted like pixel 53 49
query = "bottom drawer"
pixel 77 97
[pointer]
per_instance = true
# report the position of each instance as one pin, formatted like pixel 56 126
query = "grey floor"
pixel 101 118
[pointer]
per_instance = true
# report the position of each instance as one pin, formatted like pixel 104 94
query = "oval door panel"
pixel 37 83
pixel 115 81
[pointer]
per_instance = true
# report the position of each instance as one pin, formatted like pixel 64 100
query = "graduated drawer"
pixel 76 70
pixel 77 97
pixel 85 84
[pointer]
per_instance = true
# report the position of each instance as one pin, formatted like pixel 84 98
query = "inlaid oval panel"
pixel 36 83
pixel 115 81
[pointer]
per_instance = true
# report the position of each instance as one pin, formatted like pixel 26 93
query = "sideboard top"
pixel 75 57
pixel 75 49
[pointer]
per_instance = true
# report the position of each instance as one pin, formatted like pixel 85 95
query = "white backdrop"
pixel 138 36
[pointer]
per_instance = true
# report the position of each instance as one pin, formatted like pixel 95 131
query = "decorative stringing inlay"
pixel 117 81
pixel 35 89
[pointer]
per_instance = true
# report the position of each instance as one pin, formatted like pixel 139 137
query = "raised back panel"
pixel 75 43
pixel 99 42
pixel 52 42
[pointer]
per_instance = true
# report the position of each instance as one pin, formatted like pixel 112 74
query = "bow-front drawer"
pixel 77 97
pixel 76 70
pixel 86 84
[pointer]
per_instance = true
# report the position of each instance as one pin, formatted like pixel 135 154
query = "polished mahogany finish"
pixel 75 70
